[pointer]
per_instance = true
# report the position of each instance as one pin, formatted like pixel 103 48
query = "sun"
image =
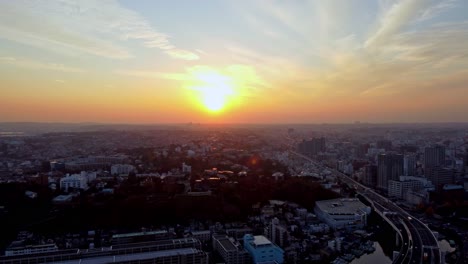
pixel 214 88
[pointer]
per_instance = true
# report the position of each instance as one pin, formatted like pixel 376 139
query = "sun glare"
pixel 214 89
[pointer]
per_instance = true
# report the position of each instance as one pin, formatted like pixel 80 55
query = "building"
pixel 370 175
pixel 203 235
pixel 409 165
pixel 122 169
pixel 384 144
pixel 186 169
pixel 94 162
pixel 238 233
pixel 30 249
pixel 434 156
pixel 62 199
pixel 451 192
pixel 465 162
pixel 408 183
pixel 263 250
pixel 361 150
pixel 342 213
pixel 440 176
pixel 277 232
pixel 312 147
pixel 173 251
pixel 57 166
pixel 389 167
pixel 75 181
pixel 230 250
pixel 128 238
pixel 399 188
pixel 417 197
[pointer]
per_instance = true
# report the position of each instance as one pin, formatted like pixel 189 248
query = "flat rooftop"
pixel 159 232
pixel 261 241
pixel 227 244
pixel 345 206
pixel 133 257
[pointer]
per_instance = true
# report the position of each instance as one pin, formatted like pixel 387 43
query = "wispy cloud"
pixel 394 20
pixel 94 27
pixel 434 10
pixel 39 65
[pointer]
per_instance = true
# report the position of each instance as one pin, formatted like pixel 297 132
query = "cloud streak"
pixel 38 65
pixel 94 27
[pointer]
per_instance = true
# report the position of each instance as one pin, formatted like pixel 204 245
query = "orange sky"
pixel 234 62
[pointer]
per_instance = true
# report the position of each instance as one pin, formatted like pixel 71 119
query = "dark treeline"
pixel 140 202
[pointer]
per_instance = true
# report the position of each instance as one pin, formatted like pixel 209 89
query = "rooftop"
pixel 227 244
pixel 261 241
pixel 159 232
pixel 341 206
pixel 133 257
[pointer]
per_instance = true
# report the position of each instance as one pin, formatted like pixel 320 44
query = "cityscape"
pixel 234 132
pixel 194 193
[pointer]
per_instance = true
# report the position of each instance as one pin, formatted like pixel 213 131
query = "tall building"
pixel 361 150
pixel 263 250
pixel 409 165
pixel 277 232
pixel 440 176
pixel 390 167
pixel 370 175
pixel 434 156
pixel 312 147
pixel 465 162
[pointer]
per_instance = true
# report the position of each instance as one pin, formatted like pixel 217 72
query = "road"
pixel 421 244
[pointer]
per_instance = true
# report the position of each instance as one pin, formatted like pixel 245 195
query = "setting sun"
pixel 214 88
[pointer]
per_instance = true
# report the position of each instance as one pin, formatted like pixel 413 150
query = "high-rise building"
pixel 465 162
pixel 409 165
pixel 277 232
pixel 361 150
pixel 370 175
pixel 390 167
pixel 434 156
pixel 312 147
pixel 440 176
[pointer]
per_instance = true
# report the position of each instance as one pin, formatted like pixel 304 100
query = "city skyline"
pixel 234 61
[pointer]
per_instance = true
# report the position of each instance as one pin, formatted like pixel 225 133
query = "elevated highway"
pixel 418 243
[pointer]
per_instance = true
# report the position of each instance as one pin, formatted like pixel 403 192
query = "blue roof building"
pixel 262 250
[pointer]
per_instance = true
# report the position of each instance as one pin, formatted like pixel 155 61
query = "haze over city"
pixel 234 61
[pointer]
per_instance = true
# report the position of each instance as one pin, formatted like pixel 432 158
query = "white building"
pixel 186 168
pixel 407 183
pixel 203 236
pixel 347 213
pixel 119 169
pixel 76 181
pixel 30 249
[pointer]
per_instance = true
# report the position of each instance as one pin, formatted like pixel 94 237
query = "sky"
pixel 234 61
